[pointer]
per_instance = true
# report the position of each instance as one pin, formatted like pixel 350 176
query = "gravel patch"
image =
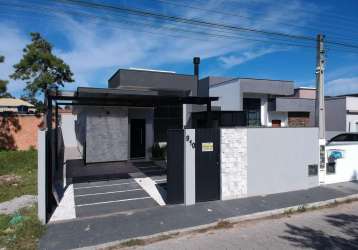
pixel 11 206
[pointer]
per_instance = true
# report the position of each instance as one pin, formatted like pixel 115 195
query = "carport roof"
pixel 140 97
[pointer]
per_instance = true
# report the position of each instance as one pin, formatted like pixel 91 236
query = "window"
pixel 253 118
pixel 313 170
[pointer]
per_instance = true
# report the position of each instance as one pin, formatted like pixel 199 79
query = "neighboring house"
pixel 137 128
pixel 12 105
pixel 270 103
pixel 342 113
pixel 305 93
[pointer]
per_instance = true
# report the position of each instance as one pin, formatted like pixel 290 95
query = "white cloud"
pixel 98 47
pixel 232 60
pixel 11 44
pixel 342 86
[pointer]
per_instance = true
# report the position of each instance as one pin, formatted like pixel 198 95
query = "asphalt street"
pixel 330 228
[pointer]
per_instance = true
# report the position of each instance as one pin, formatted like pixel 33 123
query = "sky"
pixel 97 42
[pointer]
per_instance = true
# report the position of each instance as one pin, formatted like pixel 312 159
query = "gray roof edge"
pixel 224 82
pixel 247 78
pixel 150 71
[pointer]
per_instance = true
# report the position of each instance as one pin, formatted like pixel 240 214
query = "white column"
pixel 264 111
pixel 41 175
pixel 189 167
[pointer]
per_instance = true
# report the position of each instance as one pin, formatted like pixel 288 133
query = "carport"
pixel 105 187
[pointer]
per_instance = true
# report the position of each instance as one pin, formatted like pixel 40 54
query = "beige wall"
pixel 305 93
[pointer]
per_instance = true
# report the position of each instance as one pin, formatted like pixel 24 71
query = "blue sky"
pixel 95 43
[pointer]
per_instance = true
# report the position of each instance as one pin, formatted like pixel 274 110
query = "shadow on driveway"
pixel 306 237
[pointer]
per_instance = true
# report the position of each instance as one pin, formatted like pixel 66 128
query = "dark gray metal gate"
pixel 175 166
pixel 207 164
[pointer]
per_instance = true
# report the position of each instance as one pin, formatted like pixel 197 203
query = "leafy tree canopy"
pixel 3 83
pixel 40 68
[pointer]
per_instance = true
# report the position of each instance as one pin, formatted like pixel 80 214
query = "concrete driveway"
pixel 131 192
pixel 112 196
pixel 106 188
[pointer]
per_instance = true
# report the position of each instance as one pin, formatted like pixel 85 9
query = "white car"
pixel 342 158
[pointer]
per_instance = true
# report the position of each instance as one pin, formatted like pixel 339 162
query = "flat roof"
pixel 309 88
pixel 127 97
pixel 149 71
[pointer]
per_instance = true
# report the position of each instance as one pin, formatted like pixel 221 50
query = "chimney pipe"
pixel 196 61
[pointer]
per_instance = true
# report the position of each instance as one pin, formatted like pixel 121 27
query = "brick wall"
pixel 298 119
pixel 19 132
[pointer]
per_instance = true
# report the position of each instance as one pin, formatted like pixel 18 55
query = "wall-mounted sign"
pixel 207 146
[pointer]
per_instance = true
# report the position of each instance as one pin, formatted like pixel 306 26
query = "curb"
pixel 235 219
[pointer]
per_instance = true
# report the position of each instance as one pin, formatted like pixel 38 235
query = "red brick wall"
pixel 298 119
pixel 19 132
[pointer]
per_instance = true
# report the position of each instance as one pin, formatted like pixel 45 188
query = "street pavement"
pixel 330 228
pixel 106 229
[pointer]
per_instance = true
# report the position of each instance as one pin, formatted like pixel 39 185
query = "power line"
pixel 140 24
pixel 181 4
pixel 307 10
pixel 195 32
pixel 196 21
pixel 178 19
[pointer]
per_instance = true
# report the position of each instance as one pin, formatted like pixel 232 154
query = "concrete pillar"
pixel 189 167
pixel 264 111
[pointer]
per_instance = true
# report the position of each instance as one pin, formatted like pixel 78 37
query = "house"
pixel 270 103
pixel 144 117
pixel 12 105
pixel 342 113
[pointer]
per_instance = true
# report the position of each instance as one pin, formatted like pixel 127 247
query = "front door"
pixel 137 138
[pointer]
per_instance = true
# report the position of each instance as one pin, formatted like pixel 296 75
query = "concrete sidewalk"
pixel 99 230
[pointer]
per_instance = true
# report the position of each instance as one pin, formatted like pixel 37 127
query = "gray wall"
pixel 264 86
pixel 152 79
pixel 231 92
pixel 286 104
pixel 68 129
pixel 229 96
pixel 335 114
pixel 106 134
pixel 278 159
pixel 331 134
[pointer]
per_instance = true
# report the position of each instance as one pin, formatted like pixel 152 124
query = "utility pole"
pixel 320 109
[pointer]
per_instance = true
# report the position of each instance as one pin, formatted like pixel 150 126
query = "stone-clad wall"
pixel 106 134
pixel 233 157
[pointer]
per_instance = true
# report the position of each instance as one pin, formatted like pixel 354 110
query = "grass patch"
pixel 222 224
pixel 22 164
pixel 21 230
pixel 133 242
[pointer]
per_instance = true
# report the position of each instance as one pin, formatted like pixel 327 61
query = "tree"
pixel 40 68
pixel 3 83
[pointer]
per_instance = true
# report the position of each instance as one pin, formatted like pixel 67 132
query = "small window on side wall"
pixel 331 168
pixel 313 170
